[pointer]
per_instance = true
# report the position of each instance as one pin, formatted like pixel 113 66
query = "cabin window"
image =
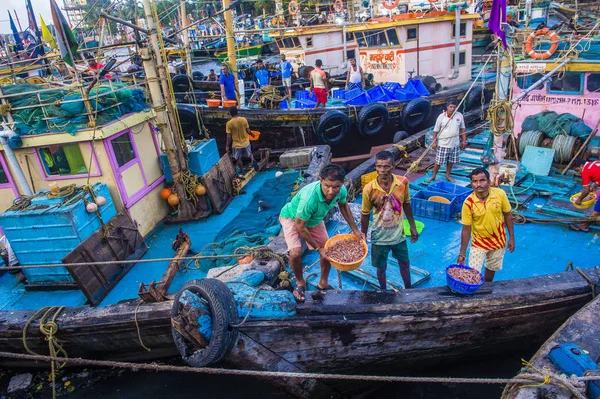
pixel 3 176
pixel 350 54
pixel 309 42
pixel 593 82
pixel 525 82
pixel 288 43
pixel 376 38
pixel 462 59
pixel 463 29
pixel 360 39
pixel 349 37
pixel 123 149
pixel 569 83
pixel 392 37
pixel 411 34
pixel 62 160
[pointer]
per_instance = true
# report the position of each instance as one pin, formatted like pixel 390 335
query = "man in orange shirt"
pixel 486 214
pixel 318 83
pixel 238 136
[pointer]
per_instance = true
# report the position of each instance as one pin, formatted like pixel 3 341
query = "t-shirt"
pixel 12 258
pixel 591 173
pixel 286 69
pixel 449 129
pixel 261 76
pixel 318 78
pixel 228 83
pixel 309 204
pixel 238 128
pixel 486 219
pixel 388 224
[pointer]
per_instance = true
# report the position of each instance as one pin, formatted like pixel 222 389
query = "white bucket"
pixel 509 171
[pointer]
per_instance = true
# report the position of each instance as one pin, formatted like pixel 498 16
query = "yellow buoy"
pixel 173 200
pixel 200 190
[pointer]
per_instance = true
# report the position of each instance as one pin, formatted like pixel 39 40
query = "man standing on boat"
pixel 486 214
pixel 261 76
pixel 286 75
pixel 212 76
pixel 387 196
pixel 318 83
pixel 590 178
pixel 447 134
pixel 238 137
pixel 356 77
pixel 229 90
pixel 302 220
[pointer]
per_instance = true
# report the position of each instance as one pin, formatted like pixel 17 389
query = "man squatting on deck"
pixel 303 219
pixel 486 213
pixel 590 179
pixel 386 196
pixel 447 132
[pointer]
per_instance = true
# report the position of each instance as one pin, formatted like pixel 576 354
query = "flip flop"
pixel 574 227
pixel 326 288
pixel 300 290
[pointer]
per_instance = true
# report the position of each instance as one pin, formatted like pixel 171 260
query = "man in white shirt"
pixel 447 134
pixel 10 259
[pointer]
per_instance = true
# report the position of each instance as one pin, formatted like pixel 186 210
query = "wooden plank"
pixel 219 183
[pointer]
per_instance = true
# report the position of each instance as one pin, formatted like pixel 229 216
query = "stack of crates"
pixel 378 94
pixel 422 207
pixel 460 192
pixel 305 100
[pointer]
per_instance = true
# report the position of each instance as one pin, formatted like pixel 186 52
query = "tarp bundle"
pixel 59 114
pixel 553 124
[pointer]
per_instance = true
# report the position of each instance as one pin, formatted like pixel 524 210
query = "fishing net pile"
pixel 552 124
pixel 58 110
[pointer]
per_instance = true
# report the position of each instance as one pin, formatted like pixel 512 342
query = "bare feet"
pixel 429 180
pixel 450 179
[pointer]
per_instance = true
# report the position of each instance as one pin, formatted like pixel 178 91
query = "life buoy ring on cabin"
pixel 338 6
pixel 390 6
pixel 293 7
pixel 215 301
pixel 546 54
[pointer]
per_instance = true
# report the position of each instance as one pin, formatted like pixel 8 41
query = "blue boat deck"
pixel 540 248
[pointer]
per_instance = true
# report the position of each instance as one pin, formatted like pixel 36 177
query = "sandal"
pixel 326 288
pixel 577 227
pixel 299 293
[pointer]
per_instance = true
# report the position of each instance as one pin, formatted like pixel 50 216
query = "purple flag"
pixel 497 16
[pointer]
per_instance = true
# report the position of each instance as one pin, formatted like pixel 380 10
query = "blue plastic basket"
pixel 284 105
pixel 391 87
pixel 450 188
pixel 422 207
pixel 339 94
pixel 304 104
pixel 361 99
pixel 305 95
pixel 419 87
pixel 405 93
pixel 350 94
pixel 458 286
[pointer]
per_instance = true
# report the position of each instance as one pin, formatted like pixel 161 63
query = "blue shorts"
pixel 379 253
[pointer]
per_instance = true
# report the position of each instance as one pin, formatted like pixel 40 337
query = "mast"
pixel 230 35
pixel 186 39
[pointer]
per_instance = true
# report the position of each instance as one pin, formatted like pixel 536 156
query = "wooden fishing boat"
pixel 242 52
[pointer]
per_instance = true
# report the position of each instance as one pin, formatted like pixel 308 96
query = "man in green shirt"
pixel 302 219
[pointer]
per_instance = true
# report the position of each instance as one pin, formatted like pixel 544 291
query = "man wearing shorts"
pixel 318 83
pixel 590 179
pixel 448 127
pixel 238 132
pixel 286 75
pixel 486 214
pixel 302 220
pixel 386 197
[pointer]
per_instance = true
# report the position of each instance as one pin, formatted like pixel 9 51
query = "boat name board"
pixel 541 98
pixel 531 67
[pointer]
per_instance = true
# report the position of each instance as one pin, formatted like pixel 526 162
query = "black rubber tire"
pixel 473 99
pixel 197 75
pixel 182 83
pixel 429 82
pixel 366 126
pixel 415 113
pixel 304 71
pixel 223 309
pixel 189 121
pixel 399 136
pixel 335 122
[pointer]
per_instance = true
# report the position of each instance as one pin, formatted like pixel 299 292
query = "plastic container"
pixel 419 225
pixel 213 102
pixel 229 103
pixel 584 204
pixel 458 286
pixel 305 95
pixel 422 207
pixel 361 99
pixel 450 188
pixel 256 136
pixel 391 87
pixel 419 87
pixel 346 267
pixel 284 105
pixel 350 94
pixel 304 104
pixel 378 94
pixel 367 178
pixel 339 94
pixel 407 92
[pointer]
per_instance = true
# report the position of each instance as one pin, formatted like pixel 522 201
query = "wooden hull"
pixel 241 53
pixel 339 331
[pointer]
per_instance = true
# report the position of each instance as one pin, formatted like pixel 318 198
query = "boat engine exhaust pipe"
pixel 456 40
pixel 12 159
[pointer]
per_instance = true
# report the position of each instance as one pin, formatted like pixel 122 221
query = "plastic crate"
pixel 284 105
pixel 304 104
pixel 376 91
pixel 422 207
pixel 305 95
pixel 361 99
pixel 419 87
pixel 339 94
pixel 350 94
pixel 458 286
pixel 391 87
pixel 450 188
pixel 367 178
pixel 407 92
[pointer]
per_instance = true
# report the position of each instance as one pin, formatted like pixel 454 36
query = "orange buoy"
pixel 293 7
pixel 390 6
pixel 245 260
pixel 546 54
pixel 338 6
pixel 200 190
pixel 173 200
pixel 165 193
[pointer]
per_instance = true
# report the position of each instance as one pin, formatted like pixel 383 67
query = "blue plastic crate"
pixel 361 99
pixel 422 207
pixel 284 105
pixel 350 94
pixel 391 87
pixel 304 104
pixel 376 91
pixel 460 287
pixel 305 95
pixel 339 94
pixel 201 158
pixel 407 92
pixel 419 87
pixel 450 188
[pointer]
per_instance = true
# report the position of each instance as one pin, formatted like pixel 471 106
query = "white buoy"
pixel 91 207
pixel 100 200
pixel 277 174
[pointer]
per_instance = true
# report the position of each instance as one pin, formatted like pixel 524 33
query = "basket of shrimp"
pixel 346 251
pixel 463 279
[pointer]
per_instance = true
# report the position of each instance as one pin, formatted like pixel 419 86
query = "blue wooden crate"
pixel 422 207
pixel 203 156
pixel 46 235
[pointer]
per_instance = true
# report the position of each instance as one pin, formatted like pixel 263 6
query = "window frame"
pixel 309 39
pixel 528 81
pixel 460 53
pixel 95 163
pixel 136 156
pixel 587 82
pixel 416 29
pixel 399 44
pixel 11 183
pixel 549 89
pixel 376 32
pixel 359 38
pixel 350 37
pixel 461 25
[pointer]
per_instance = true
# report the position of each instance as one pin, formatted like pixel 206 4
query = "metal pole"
pixel 541 81
pixel 229 34
pixel 186 40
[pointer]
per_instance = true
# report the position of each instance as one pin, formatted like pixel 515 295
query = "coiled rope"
pixel 563 147
pixel 500 117
pixel 530 137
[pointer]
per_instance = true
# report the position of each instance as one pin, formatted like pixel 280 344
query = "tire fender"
pixel 415 113
pixel 372 119
pixel 188 120
pixel 333 127
pixel 473 99
pixel 182 83
pixel 399 136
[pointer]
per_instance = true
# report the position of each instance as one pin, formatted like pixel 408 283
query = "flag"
pixel 33 27
pixel 497 16
pixel 16 35
pixel 67 43
pixel 46 35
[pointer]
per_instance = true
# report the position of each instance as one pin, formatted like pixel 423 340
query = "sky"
pixel 39 7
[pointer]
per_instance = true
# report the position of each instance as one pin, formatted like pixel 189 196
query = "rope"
pixel 137 326
pixel 500 116
pixel 589 280
pixel 530 137
pixel 251 302
pixel 339 276
pixel 563 147
pixel 269 97
pixel 522 219
pixel 63 192
pixel 283 374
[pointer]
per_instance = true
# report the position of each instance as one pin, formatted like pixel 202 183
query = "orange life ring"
pixel 293 7
pixel 338 6
pixel 389 6
pixel 546 54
